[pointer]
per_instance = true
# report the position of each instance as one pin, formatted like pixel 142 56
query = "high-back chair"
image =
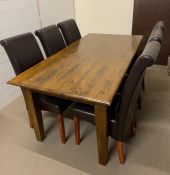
pixel 69 30
pixel 157 32
pixel 51 39
pixel 156 35
pixel 121 113
pixel 23 52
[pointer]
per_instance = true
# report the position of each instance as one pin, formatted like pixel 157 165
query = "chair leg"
pixel 134 122
pixel 139 102
pixel 143 84
pixel 132 130
pixel 77 130
pixel 133 127
pixel 61 127
pixel 120 152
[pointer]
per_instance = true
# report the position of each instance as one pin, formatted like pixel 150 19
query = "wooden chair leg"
pixel 61 127
pixel 77 130
pixel 133 128
pixel 134 122
pixel 143 84
pixel 139 102
pixel 120 152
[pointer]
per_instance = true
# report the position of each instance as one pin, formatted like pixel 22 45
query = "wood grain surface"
pixel 89 70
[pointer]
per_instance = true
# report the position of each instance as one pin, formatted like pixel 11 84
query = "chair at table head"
pixel 132 88
pixel 23 51
pixel 69 30
pixel 157 32
pixel 51 39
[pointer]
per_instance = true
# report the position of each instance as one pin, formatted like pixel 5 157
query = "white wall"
pixel 16 16
pixel 20 16
pixel 104 16
pixel 54 11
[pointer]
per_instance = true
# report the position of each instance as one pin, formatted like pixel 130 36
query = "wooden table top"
pixel 89 70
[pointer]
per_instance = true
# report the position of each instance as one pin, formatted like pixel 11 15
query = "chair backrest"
pixel 157 32
pixel 151 50
pixel 132 88
pixel 69 30
pixel 51 39
pixel 160 24
pixel 23 51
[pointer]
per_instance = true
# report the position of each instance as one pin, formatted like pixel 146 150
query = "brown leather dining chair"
pixel 69 30
pixel 155 35
pixel 51 39
pixel 23 52
pixel 121 114
pixel 157 32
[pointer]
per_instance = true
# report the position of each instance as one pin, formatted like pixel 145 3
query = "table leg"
pixel 101 131
pixel 35 114
pixel 29 114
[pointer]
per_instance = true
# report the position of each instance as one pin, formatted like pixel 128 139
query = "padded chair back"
pixel 157 32
pixel 133 86
pixel 160 24
pixel 51 39
pixel 70 31
pixel 23 51
pixel 152 50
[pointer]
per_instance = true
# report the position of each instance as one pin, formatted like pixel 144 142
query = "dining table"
pixel 90 71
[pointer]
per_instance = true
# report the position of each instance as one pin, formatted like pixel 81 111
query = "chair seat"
pixel 86 111
pixel 53 104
